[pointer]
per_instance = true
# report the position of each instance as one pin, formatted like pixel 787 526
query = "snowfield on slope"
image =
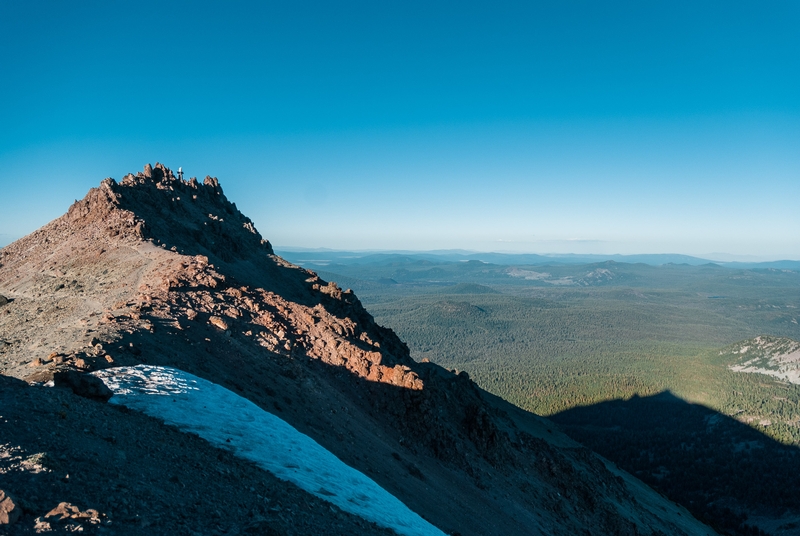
pixel 227 420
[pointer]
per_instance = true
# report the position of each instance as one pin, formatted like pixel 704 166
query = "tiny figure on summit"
pixel 180 173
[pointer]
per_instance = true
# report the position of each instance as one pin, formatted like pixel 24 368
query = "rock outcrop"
pixel 82 384
pixel 9 511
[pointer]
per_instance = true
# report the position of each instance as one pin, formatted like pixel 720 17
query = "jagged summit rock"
pixel 174 212
pixel 157 270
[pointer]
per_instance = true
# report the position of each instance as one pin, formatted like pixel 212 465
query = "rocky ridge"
pixel 153 269
pixel 773 356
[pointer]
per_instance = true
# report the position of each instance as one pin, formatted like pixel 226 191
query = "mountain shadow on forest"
pixel 724 472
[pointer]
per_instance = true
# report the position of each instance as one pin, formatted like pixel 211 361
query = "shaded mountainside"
pixel 728 474
pixel 156 270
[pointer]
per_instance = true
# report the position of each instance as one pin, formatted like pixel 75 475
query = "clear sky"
pixel 569 126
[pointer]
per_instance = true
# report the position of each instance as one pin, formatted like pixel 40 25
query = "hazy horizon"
pixel 717 256
pixel 627 128
pixel 712 256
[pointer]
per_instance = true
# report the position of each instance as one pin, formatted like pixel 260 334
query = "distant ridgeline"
pixel 323 257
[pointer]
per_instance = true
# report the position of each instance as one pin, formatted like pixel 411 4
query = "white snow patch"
pixel 227 420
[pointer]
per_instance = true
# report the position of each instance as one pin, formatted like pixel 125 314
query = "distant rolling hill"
pixel 319 257
pixel 322 257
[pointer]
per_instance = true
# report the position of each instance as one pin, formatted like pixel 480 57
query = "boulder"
pixel 83 385
pixel 9 511
pixel 66 510
pixel 218 323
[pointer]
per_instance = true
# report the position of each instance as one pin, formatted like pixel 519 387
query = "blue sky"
pixel 587 127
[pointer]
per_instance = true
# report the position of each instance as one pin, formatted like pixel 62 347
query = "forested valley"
pixel 633 360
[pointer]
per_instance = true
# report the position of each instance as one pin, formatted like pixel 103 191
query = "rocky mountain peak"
pixel 212 265
pixel 154 270
pixel 179 214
